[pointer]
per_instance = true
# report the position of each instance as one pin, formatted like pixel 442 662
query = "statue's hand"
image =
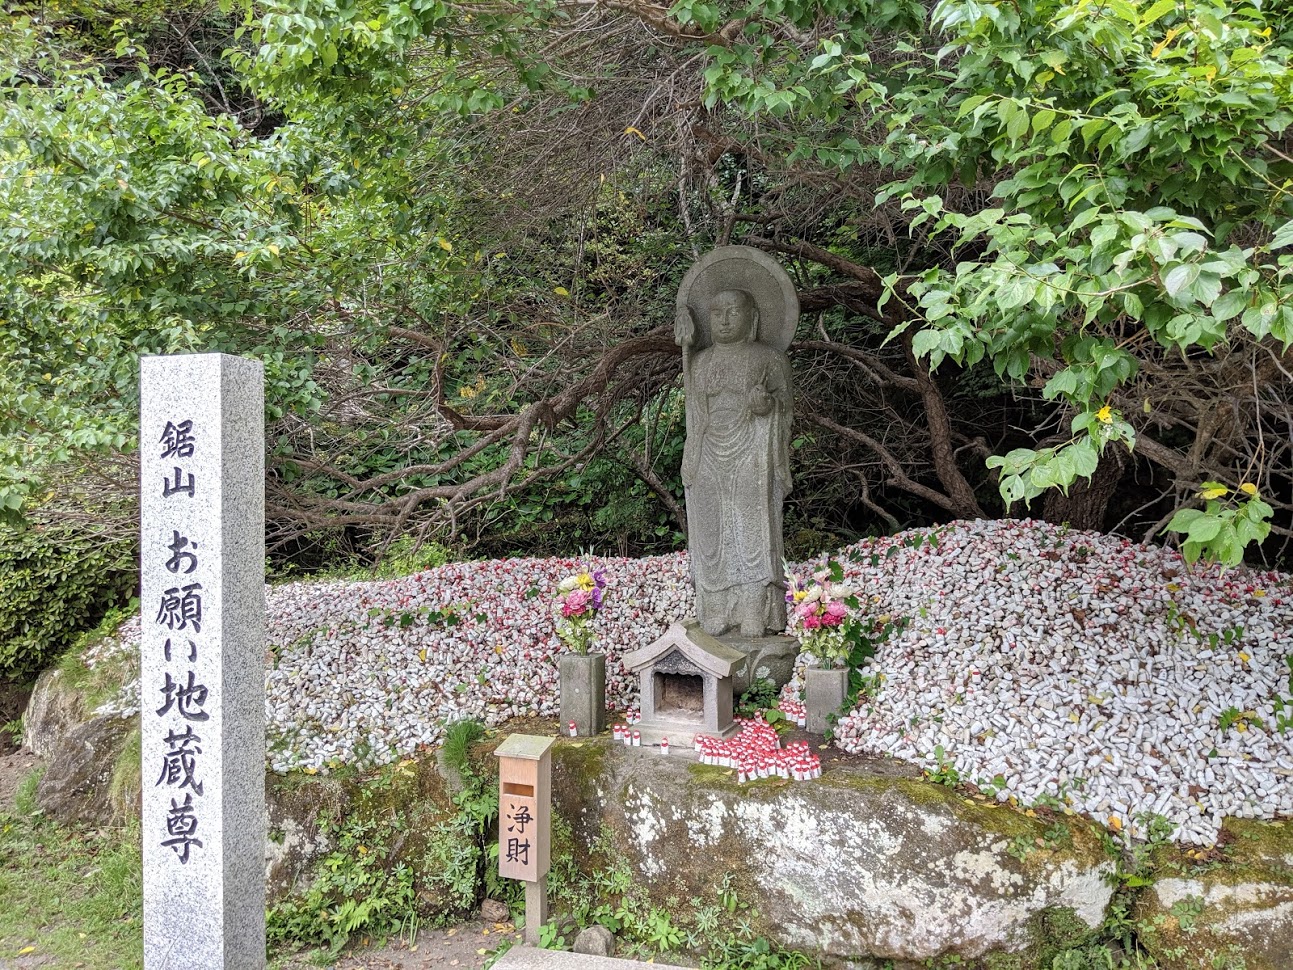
pixel 684 327
pixel 760 400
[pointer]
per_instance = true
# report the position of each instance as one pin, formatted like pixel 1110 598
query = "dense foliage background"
pixel 1042 250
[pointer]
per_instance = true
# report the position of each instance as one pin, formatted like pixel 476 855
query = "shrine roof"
pixel 705 651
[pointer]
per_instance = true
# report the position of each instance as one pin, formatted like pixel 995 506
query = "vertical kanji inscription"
pixel 202 664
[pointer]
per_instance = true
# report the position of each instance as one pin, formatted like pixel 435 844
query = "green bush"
pixel 54 584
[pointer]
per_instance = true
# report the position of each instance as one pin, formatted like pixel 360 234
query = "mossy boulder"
pixel 400 815
pixel 92 772
pixel 55 709
pixel 300 810
pixel 94 776
pixel 857 865
pixel 1232 912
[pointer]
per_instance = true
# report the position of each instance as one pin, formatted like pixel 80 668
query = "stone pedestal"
pixel 766 658
pixel 824 691
pixel 583 692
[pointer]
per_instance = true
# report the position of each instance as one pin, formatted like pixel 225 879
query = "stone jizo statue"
pixel 737 311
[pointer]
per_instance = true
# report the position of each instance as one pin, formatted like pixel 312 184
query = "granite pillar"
pixel 202 675
pixel 583 692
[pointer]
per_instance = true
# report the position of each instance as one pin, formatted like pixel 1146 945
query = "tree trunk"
pixel 1087 502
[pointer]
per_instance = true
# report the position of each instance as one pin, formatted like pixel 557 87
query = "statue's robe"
pixel 736 467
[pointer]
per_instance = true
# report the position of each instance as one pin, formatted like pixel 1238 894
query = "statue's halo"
pixel 755 272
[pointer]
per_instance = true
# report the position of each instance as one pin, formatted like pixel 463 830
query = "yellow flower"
pixel 799 595
pixel 1248 488
pixel 1105 415
pixel 585 582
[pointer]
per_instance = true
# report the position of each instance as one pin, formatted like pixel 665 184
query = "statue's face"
pixel 731 317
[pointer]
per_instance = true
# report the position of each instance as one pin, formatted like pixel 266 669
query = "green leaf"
pixel 925 342
pixel 1138 139
pixel 1086 457
pixel 1204 529
pixel 1017 126
pixel 1283 236
pixel 1258 320
pixel 1182 520
pixel 1230 304
pixel 1156 11
pixel 1180 277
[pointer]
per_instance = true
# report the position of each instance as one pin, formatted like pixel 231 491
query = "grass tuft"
pixel 459 736
pixel 73 894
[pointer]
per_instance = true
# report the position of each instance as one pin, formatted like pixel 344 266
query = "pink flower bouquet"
pixel 579 597
pixel 823 616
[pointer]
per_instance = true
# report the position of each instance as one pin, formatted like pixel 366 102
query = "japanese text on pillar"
pixel 182 699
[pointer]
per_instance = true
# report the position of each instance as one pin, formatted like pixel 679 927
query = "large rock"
pixel 1228 913
pixel 300 810
pixel 403 811
pixel 55 709
pixel 854 865
pixel 92 774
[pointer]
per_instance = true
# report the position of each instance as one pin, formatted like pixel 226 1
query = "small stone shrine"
pixel 686 685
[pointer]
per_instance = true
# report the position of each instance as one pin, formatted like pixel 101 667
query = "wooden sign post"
pixel 525 822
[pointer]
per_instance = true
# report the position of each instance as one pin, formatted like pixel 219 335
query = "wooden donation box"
pixel 524 807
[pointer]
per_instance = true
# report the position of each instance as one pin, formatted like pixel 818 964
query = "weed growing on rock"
pixel 455 749
pixel 355 890
pixel 719 929
pixel 14 730
pixel 945 773
pixel 761 695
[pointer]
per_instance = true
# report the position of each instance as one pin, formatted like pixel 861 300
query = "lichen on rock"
pixel 1236 911
pixel 855 866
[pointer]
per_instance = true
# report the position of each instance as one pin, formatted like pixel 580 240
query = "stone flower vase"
pixel 824 691
pixel 583 692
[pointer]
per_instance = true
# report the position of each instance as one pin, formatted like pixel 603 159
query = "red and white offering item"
pixel 756 752
pixel 632 715
pixel 795 711
pixel 637 739
pixel 664 745
pixel 574 729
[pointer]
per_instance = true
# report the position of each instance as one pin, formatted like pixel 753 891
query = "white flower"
pixel 813 595
pixel 568 584
pixel 839 591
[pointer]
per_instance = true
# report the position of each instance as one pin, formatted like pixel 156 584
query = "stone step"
pixel 529 958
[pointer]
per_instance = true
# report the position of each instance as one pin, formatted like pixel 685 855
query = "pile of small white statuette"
pixel 1072 665
pixel 1081 666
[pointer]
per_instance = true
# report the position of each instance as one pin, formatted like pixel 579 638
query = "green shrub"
pixel 54 584
pixel 356 889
